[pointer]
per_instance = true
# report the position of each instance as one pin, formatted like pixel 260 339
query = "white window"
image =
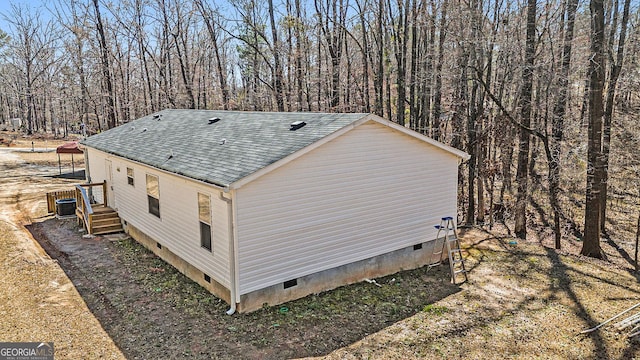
pixel 153 195
pixel 130 180
pixel 204 214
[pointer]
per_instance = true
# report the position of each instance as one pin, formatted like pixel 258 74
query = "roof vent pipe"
pixel 214 120
pixel 297 125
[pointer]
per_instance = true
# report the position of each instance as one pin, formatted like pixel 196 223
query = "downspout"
pixel 232 257
pixel 87 173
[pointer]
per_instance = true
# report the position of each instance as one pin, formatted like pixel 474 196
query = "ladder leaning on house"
pixel 451 242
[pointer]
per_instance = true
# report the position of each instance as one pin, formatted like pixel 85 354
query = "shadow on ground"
pixel 150 310
pixel 77 175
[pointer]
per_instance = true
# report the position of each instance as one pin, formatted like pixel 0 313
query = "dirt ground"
pixel 109 297
pixel 38 302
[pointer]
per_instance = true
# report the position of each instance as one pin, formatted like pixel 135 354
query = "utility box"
pixel 66 207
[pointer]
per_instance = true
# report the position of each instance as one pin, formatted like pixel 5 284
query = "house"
pixel 262 208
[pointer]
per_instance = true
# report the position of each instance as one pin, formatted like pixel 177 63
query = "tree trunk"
pixel 522 176
pixel 559 112
pixel 378 74
pixel 365 59
pixel 595 170
pixel 614 74
pixel 277 68
pixel 106 72
pixel 298 57
pixel 635 257
pixel 222 76
pixel 413 113
pixel 400 32
pixel 437 87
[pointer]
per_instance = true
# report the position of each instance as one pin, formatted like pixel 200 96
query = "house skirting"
pixel 404 259
pixel 381 265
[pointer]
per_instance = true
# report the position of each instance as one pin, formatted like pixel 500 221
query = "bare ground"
pixel 38 302
pixel 523 300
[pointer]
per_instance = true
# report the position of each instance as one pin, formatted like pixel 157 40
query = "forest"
pixel 542 94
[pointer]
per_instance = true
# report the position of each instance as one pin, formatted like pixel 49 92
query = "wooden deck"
pixel 96 217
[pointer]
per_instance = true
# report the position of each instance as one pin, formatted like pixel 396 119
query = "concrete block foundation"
pixel 382 265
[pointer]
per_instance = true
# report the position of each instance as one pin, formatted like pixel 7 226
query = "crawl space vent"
pixel 290 283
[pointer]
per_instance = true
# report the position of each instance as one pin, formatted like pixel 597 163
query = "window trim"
pixel 130 178
pixel 152 200
pixel 204 223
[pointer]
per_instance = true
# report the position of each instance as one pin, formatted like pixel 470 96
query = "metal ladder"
pixel 452 244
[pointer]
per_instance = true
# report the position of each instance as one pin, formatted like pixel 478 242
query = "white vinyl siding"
pixel 178 229
pixel 368 192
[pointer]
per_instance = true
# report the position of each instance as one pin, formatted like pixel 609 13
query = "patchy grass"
pixel 435 310
pixel 521 300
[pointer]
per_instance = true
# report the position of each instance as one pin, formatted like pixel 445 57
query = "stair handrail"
pixel 85 206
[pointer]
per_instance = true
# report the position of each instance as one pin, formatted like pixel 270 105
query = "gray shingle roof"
pixel 252 140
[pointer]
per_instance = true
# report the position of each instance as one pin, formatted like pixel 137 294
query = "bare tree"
pixel 437 87
pixel 32 54
pixel 214 34
pixel 106 68
pixel 525 119
pixel 559 113
pixel 595 169
pixel 277 67
pixel 331 22
pixel 614 73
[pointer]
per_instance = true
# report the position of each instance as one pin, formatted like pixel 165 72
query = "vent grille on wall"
pixel 290 283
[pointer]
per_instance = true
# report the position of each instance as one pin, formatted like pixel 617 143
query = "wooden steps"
pixel 105 220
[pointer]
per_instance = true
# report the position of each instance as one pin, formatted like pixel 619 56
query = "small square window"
pixel 130 180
